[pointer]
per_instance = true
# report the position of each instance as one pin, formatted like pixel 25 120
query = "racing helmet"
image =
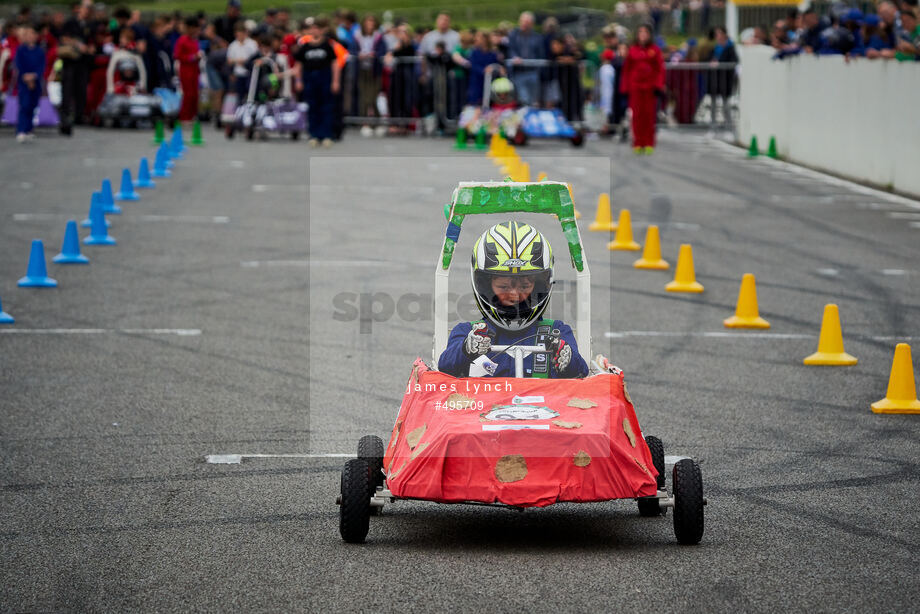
pixel 516 250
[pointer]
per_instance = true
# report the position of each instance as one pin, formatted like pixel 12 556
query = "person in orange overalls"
pixel 642 80
pixel 188 55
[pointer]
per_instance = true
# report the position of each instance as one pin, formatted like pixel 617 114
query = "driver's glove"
pixel 562 357
pixel 477 341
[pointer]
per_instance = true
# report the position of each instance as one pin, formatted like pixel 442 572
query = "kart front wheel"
pixel 295 136
pixel 229 132
pixel 370 450
pixel 687 482
pixel 519 138
pixel 579 139
pixel 355 508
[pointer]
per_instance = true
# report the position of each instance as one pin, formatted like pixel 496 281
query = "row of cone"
pixel 901 396
pixel 101 204
pixel 159 133
pixel 754 149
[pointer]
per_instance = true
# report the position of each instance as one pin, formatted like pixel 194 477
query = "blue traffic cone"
pixel 168 154
pixel 143 176
pixel 99 233
pixel 160 168
pixel 127 187
pixel 5 318
pixel 175 144
pixel 88 222
pixel 37 273
pixel 180 140
pixel 70 251
pixel 108 201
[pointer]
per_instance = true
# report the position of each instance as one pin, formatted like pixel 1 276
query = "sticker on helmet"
pixel 515 262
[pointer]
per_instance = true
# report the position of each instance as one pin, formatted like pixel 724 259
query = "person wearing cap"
pixel 225 25
pixel 876 41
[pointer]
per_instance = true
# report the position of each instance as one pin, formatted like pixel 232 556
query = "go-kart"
pixel 120 109
pixel 280 115
pixel 518 442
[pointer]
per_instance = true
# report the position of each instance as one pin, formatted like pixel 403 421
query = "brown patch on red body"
pixel 582 459
pixel 414 436
pixel 511 468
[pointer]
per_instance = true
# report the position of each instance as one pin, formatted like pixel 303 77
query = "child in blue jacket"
pixel 30 66
pixel 512 271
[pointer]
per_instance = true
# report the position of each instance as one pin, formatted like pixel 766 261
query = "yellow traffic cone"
pixel 541 176
pixel 523 172
pixel 577 214
pixel 902 391
pixel 746 313
pixel 651 253
pixel 830 343
pixel 623 240
pixel 603 221
pixel 685 274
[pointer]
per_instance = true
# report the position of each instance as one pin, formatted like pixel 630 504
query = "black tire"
pixel 229 132
pixel 295 136
pixel 648 506
pixel 687 482
pixel 657 449
pixel 579 139
pixel 355 509
pixel 370 450
pixel 519 138
pixel 250 134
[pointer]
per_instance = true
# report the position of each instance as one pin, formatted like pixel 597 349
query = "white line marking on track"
pixel 707 334
pixel 819 176
pixel 894 272
pixel 202 219
pixel 302 264
pixel 237 164
pixel 904 215
pixel 828 272
pixel 261 187
pixel 181 332
pixel 236 459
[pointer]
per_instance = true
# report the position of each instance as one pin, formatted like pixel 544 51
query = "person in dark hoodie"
pixel 30 65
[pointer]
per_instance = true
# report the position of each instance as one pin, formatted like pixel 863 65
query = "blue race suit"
pixel 454 361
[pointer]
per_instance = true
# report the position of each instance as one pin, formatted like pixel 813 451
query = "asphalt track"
pixel 213 328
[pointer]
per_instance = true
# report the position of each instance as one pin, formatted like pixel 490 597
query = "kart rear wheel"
pixel 229 132
pixel 657 449
pixel 579 139
pixel 648 506
pixel 687 482
pixel 250 133
pixel 355 509
pixel 295 136
pixel 519 138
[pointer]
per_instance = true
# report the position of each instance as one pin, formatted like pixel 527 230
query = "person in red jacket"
pixel 643 78
pixel 187 53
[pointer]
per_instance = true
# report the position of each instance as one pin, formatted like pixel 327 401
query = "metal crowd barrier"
pixel 408 91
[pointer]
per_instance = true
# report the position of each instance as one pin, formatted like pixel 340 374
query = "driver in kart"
pixel 512 275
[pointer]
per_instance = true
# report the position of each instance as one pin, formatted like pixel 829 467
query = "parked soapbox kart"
pixel 519 442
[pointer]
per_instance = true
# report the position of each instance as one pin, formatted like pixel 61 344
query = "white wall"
pixel 858 119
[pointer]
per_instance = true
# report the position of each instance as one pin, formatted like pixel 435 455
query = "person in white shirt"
pixel 239 53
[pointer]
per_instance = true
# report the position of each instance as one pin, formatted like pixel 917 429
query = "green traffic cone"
pixel 481 138
pixel 196 133
pixel 771 149
pixel 461 139
pixel 753 150
pixel 158 134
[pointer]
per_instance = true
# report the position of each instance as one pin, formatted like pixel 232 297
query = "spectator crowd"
pixel 351 66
